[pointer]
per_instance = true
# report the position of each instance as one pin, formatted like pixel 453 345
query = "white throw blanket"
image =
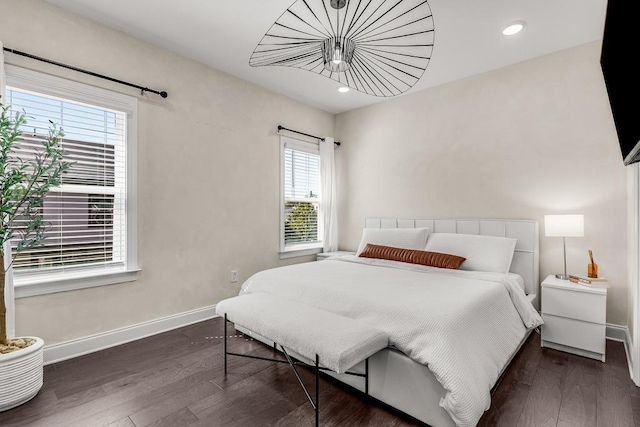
pixel 463 325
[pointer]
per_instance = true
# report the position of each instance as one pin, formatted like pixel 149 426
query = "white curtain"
pixel 8 290
pixel 329 198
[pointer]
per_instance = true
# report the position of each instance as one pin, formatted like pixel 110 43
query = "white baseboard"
pixel 81 346
pixel 621 333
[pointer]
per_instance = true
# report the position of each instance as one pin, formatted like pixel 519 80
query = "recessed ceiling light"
pixel 513 28
pixel 343 89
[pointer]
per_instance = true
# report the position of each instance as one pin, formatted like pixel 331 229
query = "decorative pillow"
pixel 433 259
pixel 406 238
pixel 483 253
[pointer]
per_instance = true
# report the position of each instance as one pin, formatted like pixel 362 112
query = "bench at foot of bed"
pixel 328 341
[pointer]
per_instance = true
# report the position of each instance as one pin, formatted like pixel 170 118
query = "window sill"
pixel 294 253
pixel 29 287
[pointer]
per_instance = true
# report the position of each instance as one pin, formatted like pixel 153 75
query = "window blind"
pixel 85 216
pixel 301 196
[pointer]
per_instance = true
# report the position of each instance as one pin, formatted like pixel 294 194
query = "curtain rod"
pixel 80 70
pixel 305 134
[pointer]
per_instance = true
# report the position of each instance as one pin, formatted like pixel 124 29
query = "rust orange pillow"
pixel 432 259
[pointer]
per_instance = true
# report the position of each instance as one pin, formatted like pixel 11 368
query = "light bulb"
pixel 337 56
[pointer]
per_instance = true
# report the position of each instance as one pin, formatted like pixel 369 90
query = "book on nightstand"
pixel 592 282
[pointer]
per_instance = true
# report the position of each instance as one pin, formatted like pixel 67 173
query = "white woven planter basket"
pixel 20 375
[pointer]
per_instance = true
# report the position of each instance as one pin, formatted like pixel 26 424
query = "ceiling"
pixel 468 37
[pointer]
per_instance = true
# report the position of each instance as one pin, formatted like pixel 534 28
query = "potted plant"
pixel 24 182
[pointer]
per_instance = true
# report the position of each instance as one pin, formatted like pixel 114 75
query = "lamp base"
pixel 562 276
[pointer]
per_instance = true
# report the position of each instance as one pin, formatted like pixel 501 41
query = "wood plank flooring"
pixel 177 379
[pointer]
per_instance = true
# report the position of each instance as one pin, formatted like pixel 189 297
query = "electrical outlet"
pixel 234 276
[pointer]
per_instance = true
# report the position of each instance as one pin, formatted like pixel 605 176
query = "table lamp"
pixel 564 226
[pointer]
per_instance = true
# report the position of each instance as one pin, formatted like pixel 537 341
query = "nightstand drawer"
pixel 575 305
pixel 574 333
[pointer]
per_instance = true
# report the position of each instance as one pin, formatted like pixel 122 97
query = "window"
pixel 301 225
pixel 90 238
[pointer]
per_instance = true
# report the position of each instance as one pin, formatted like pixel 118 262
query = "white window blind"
pixel 301 195
pixel 86 215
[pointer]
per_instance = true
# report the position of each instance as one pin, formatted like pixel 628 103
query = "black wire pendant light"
pixel 378 47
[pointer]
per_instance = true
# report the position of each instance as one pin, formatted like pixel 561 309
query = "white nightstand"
pixel 324 255
pixel 574 318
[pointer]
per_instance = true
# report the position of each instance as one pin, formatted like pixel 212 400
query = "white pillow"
pixel 405 238
pixel 483 253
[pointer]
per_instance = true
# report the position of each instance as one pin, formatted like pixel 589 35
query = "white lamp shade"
pixel 564 225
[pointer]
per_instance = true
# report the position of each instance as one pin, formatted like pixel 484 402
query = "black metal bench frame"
pixel 292 361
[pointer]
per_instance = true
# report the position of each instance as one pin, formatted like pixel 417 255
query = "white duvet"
pixel 463 325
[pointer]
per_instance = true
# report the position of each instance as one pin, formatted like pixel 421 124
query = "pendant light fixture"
pixel 378 47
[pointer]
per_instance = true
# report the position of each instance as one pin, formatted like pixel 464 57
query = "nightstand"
pixel 324 255
pixel 574 318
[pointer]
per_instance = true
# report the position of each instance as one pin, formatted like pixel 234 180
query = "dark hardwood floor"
pixel 177 379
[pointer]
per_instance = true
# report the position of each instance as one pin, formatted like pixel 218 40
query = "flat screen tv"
pixel 618 58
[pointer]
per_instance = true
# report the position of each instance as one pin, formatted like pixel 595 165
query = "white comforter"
pixel 463 325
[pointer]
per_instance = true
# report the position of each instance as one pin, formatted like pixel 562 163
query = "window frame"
pixel 32 285
pixel 302 249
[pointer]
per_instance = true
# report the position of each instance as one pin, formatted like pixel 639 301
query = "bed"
pixel 439 367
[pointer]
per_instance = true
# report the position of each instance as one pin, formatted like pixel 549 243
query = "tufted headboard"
pixel 525 258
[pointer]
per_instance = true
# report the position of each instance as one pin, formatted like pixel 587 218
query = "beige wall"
pixel 208 173
pixel 527 140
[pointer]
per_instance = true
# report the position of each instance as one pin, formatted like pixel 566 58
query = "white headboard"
pixel 525 258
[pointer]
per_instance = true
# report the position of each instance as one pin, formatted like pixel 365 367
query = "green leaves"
pixel 301 222
pixel 24 182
